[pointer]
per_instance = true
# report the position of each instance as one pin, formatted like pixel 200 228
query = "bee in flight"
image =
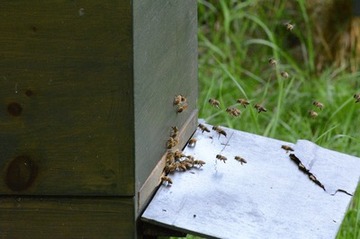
pixel 219 130
pixel 357 98
pixel 260 108
pixel 287 148
pixel 214 103
pixel 313 114
pixel 243 102
pixel 221 158
pixel 240 159
pixel 289 26
pixel 284 74
pixel 203 128
pixel 272 62
pixel 233 111
pixel 318 104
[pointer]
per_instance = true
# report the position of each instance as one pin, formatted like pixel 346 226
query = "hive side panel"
pixel 66 94
pixel 66 218
pixel 165 65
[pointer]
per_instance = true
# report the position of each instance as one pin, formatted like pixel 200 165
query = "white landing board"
pixel 268 197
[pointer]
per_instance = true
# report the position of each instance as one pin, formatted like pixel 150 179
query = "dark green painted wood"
pixel 66 95
pixel 36 218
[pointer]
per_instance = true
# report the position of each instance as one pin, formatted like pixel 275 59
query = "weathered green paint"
pixel 68 64
pixel 38 218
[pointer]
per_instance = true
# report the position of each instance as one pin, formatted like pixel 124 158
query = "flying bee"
pixel 199 162
pixel 240 159
pixel 192 142
pixel 214 103
pixel 272 62
pixel 167 179
pixel 289 26
pixel 171 142
pixel 219 130
pixel 318 104
pixel 357 98
pixel 287 148
pixel 284 74
pixel 203 128
pixel 182 107
pixel 243 102
pixel 179 99
pixel 313 114
pixel 260 108
pixel 233 111
pixel 221 158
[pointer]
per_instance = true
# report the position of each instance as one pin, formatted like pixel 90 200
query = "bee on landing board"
pixel 199 162
pixel 219 130
pixel 287 148
pixel 240 159
pixel 259 108
pixel 243 102
pixel 318 104
pixel 203 128
pixel 167 179
pixel 192 142
pixel 221 158
pixel 214 103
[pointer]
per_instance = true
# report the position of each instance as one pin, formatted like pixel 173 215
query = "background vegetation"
pixel 236 41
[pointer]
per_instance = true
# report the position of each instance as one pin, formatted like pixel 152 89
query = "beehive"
pixel 87 90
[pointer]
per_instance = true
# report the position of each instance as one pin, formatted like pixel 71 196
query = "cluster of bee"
pixel 180 102
pixel 174 138
pixel 233 111
pixel 177 161
pixel 312 113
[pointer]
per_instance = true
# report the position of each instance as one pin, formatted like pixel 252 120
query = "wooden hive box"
pixel 87 91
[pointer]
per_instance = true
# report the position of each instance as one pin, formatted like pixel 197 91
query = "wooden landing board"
pixel 268 197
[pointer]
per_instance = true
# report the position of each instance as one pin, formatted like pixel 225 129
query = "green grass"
pixel 236 40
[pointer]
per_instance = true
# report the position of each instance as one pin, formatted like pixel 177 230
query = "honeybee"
pixel 174 132
pixel 243 102
pixel 221 158
pixel 199 162
pixel 179 154
pixel 289 26
pixel 240 159
pixel 192 142
pixel 203 128
pixel 219 130
pixel 260 108
pixel 287 148
pixel 357 98
pixel 214 103
pixel 182 107
pixel 233 111
pixel 180 166
pixel 171 142
pixel 187 164
pixel 170 168
pixel 272 62
pixel 170 157
pixel 313 114
pixel 167 179
pixel 318 104
pixel 179 99
pixel 284 74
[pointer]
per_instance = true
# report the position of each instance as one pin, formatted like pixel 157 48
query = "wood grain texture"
pixel 36 218
pixel 66 90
